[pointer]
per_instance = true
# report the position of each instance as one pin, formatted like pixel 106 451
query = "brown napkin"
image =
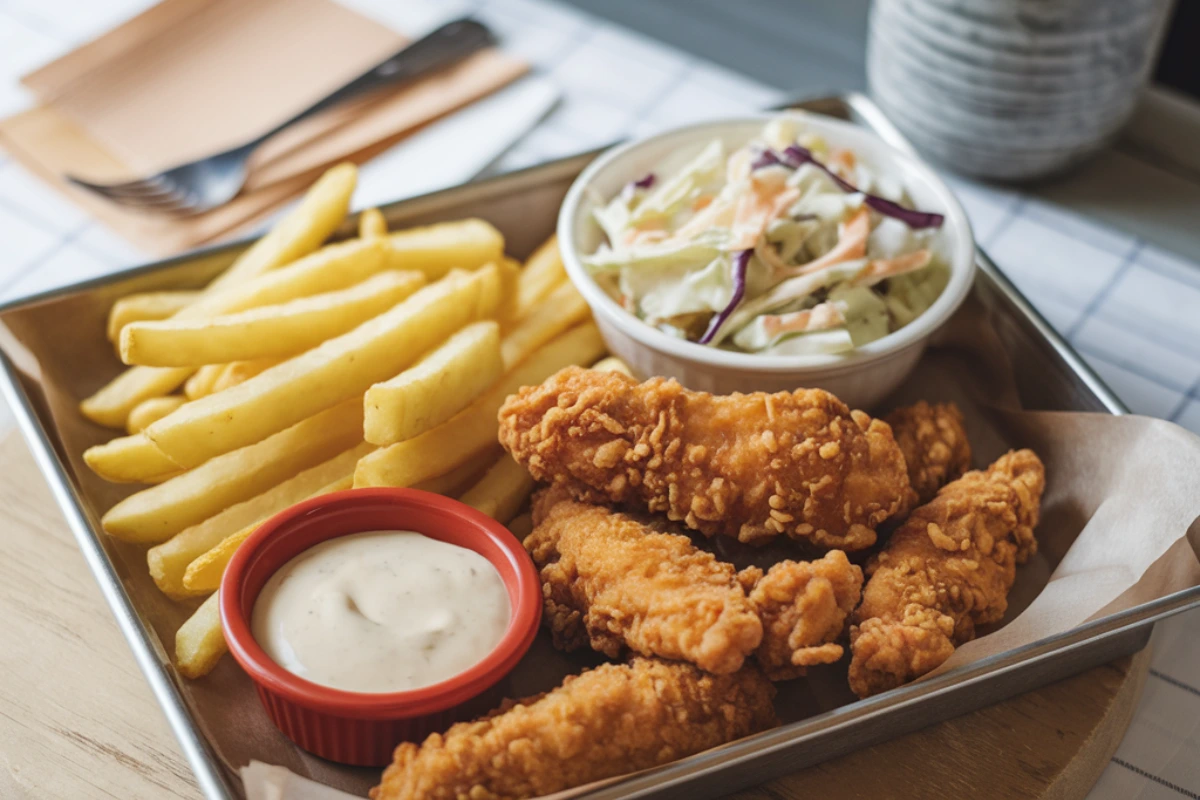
pixel 188 78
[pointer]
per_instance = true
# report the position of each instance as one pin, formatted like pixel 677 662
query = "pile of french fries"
pixel 307 368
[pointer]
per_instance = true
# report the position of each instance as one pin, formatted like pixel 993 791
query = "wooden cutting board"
pixel 78 720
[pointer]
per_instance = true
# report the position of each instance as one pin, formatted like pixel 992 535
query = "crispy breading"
pixel 610 582
pixel 610 720
pixel 946 570
pixel 750 466
pixel 803 606
pixel 935 446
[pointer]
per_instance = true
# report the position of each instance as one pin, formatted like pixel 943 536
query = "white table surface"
pixel 1131 308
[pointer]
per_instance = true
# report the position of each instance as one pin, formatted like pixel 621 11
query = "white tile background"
pixel 1131 309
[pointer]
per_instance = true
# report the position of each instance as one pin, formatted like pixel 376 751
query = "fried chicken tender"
pixel 803 606
pixel 614 582
pixel 946 570
pixel 935 446
pixel 610 582
pixel 613 719
pixel 749 466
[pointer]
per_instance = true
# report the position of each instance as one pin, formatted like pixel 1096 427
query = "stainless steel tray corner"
pixel 523 205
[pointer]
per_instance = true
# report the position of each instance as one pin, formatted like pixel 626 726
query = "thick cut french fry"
pixel 169 561
pixel 240 372
pixel 521 525
pixel 202 381
pixel 371 224
pixel 437 249
pixel 563 308
pixel 502 490
pixel 465 475
pixel 338 369
pixel 151 410
pixel 200 641
pixel 274 331
pixel 300 232
pixel 204 573
pixel 130 459
pixel 156 514
pixel 543 271
pixel 146 306
pixel 436 388
pixel 440 449
pixel 613 364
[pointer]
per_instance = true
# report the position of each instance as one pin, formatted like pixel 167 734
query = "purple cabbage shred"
pixel 741 263
pixel 795 156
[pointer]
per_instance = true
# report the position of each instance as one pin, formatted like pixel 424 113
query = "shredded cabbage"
pixel 786 245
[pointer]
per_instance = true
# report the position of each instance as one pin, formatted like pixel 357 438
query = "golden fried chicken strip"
pixel 947 569
pixel 803 606
pixel 613 719
pixel 610 582
pixel 749 466
pixel 935 446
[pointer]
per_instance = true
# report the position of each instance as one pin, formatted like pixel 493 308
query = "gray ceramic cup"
pixel 1011 89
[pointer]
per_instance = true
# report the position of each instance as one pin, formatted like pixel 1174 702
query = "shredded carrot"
pixel 818 318
pixel 702 202
pixel 880 268
pixel 851 244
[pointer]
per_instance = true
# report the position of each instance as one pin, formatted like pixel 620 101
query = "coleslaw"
pixel 786 245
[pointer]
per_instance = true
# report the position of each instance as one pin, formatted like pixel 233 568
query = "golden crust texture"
pixel 610 720
pixel 803 606
pixel 935 446
pixel 947 569
pixel 748 466
pixel 610 582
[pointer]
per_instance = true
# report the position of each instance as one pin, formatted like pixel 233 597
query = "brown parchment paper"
pixel 189 78
pixel 1119 523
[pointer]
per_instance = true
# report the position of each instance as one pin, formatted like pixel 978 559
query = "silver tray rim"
pixel 212 778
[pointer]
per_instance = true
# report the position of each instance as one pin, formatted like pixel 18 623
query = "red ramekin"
pixel 355 727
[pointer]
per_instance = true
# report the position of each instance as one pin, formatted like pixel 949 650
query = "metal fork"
pixel 205 184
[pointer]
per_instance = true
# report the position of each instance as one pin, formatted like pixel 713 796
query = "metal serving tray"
pixel 524 205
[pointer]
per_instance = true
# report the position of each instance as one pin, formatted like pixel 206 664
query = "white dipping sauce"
pixel 383 611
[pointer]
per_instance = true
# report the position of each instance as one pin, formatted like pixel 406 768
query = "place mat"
pixel 189 78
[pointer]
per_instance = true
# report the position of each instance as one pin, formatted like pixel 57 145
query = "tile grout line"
pixel 58 246
pixel 1152 777
pixel 1011 214
pixel 1092 306
pixel 1128 366
pixel 1187 687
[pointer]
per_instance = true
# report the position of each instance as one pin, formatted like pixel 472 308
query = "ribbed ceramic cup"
pixel 1011 89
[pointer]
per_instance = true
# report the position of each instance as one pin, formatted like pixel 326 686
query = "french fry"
pixel 436 249
pixel 613 364
pixel 440 449
pixel 300 232
pixel 153 409
pixel 543 271
pixel 521 525
pixel 502 490
pixel 156 514
pixel 563 308
pixel 204 573
pixel 371 224
pixel 336 370
pixel 130 459
pixel 146 306
pixel 200 641
pixel 266 331
pixel 202 381
pixel 240 372
pixel 111 404
pixel 465 475
pixel 169 561
pixel 436 388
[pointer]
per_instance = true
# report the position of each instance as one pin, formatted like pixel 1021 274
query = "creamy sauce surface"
pixel 382 611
